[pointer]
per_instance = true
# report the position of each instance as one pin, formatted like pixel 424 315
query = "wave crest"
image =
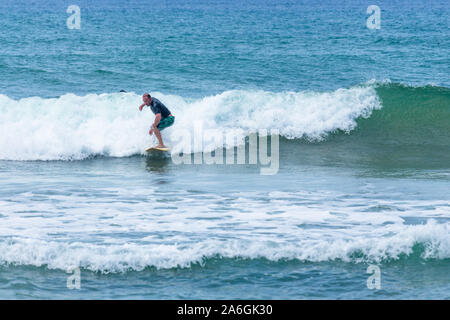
pixel 74 127
pixel 431 237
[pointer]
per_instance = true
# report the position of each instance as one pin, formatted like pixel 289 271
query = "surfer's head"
pixel 147 98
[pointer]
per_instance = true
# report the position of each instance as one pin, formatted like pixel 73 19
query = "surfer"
pixel 163 117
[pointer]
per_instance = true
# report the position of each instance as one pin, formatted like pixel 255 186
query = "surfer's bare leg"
pixel 159 137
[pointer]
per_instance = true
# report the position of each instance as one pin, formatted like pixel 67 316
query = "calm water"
pixel 364 150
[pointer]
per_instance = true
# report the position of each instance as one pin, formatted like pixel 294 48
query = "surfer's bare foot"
pixel 160 146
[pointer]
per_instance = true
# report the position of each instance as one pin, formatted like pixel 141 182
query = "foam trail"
pixel 74 127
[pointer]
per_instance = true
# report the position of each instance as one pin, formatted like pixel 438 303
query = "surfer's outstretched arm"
pixel 141 106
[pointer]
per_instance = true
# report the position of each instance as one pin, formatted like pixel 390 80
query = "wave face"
pixel 75 128
pixel 410 116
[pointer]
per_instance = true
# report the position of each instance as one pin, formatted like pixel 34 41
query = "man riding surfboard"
pixel 163 117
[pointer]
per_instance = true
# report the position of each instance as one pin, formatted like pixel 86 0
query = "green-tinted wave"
pixel 411 116
pixel 411 130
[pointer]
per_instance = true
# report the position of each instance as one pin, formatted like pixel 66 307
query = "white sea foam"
pixel 94 233
pixel 131 256
pixel 74 127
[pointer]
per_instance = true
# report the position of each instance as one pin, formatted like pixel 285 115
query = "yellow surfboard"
pixel 157 149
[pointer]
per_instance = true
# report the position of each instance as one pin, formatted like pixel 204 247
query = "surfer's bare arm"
pixel 157 120
pixel 155 124
pixel 141 106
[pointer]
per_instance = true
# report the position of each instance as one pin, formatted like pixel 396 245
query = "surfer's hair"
pixel 148 95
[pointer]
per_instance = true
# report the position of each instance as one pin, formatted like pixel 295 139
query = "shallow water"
pixel 152 226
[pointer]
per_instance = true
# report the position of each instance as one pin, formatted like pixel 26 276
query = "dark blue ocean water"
pixel 364 150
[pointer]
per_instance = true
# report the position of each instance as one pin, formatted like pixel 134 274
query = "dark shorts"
pixel 166 122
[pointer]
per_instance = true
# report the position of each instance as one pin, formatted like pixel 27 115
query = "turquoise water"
pixel 364 157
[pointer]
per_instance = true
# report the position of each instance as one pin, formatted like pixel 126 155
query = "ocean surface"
pixel 359 120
